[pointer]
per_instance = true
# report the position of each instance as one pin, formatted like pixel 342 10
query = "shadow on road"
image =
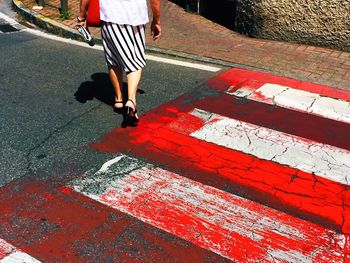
pixel 101 88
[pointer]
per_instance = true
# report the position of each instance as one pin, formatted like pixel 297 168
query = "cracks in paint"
pixel 262 246
pixel 279 155
pixel 343 116
pixel 315 252
pixel 347 180
pixel 330 156
pixel 292 178
pixel 273 98
pixel 316 181
pixel 247 135
pixel 227 167
pixel 252 232
pixel 331 111
pixel 346 176
pixel 297 194
pixel 308 109
pixel 198 235
pixel 267 252
pixel 335 111
pixel 278 231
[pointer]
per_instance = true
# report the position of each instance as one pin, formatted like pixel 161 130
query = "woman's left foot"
pixel 119 104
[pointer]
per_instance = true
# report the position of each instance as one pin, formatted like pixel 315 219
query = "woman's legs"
pixel 133 83
pixel 116 76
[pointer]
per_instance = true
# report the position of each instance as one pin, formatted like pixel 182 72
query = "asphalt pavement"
pixel 56 100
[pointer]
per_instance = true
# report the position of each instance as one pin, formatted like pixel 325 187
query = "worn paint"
pixel 297 123
pixel 306 155
pixel 229 225
pixel 54 224
pixel 163 136
pixel 19 257
pixel 295 99
pixel 168 142
pixel 238 78
pixel 9 254
pixel 5 249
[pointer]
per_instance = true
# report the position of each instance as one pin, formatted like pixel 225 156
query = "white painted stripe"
pixel 61 39
pixel 5 248
pixel 226 224
pixel 299 100
pixel 148 57
pixel 19 257
pixel 8 19
pixel 9 254
pixel 183 63
pixel 296 152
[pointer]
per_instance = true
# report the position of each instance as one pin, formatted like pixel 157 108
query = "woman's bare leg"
pixel 116 76
pixel 133 83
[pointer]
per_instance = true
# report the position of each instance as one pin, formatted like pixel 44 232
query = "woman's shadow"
pixel 102 89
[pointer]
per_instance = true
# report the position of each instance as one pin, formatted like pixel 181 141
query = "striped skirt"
pixel 124 45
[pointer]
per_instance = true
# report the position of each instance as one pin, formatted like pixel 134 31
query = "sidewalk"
pixel 192 34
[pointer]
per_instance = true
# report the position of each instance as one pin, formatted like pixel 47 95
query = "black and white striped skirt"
pixel 124 45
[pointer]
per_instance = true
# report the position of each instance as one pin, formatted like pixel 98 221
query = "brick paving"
pixel 193 34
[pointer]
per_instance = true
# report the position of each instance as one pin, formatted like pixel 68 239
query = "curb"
pixel 47 24
pixel 51 26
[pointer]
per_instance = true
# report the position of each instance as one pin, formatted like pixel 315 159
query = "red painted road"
pixel 55 225
pixel 163 137
pixel 51 222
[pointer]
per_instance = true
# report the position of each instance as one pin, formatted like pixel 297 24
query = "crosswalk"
pixel 249 167
pixel 303 101
pixel 229 225
pixel 9 254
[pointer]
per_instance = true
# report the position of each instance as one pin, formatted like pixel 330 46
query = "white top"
pixel 124 12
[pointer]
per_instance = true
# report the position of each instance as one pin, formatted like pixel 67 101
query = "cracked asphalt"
pixel 56 101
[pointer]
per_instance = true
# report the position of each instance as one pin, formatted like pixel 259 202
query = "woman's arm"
pixel 84 4
pixel 156 30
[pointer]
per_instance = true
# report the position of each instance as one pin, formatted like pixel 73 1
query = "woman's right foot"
pixel 131 112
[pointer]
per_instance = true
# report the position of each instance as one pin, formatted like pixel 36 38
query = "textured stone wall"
pixel 318 22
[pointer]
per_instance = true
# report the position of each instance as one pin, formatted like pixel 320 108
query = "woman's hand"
pixel 156 30
pixel 80 22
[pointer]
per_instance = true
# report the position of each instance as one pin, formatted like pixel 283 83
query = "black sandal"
pixel 118 102
pixel 131 112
